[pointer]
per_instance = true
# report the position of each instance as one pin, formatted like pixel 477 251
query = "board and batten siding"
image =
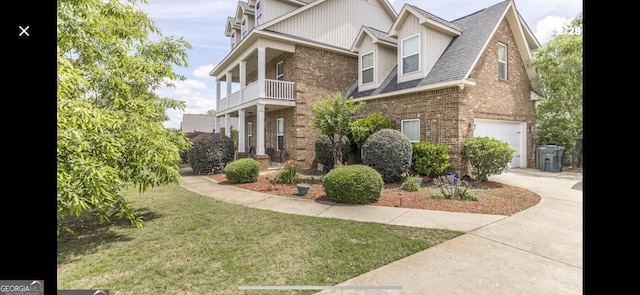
pixel 336 22
pixel 432 45
pixel 384 61
pixel 272 9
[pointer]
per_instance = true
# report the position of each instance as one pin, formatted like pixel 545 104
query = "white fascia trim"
pixel 448 84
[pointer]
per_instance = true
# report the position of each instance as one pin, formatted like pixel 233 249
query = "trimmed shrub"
pixel 353 184
pixel 430 158
pixel 210 153
pixel 487 156
pixel 388 151
pixel 324 152
pixel 361 129
pixel 242 170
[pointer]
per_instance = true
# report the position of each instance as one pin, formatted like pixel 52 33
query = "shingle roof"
pixel 382 35
pixel 456 61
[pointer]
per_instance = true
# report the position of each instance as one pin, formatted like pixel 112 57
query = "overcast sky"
pixel 202 23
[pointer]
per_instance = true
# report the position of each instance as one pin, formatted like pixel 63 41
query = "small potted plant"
pixel 303 188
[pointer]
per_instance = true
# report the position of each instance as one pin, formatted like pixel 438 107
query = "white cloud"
pixel 203 71
pixel 549 26
pixel 197 95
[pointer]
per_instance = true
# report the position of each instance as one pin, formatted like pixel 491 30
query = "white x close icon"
pixel 23 31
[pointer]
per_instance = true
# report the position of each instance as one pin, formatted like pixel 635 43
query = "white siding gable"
pixel 384 60
pixel 432 45
pixel 335 22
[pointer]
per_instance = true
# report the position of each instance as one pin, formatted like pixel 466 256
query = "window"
pixel 279 71
pixel 249 134
pixel 233 40
pixel 280 133
pixel 367 68
pixel 411 54
pixel 244 27
pixel 411 128
pixel 258 13
pixel 502 61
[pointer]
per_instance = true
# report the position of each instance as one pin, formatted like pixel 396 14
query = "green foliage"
pixel 410 184
pixel 288 173
pixel 110 131
pixel 559 64
pixel 361 129
pixel 487 156
pixel 353 184
pixel 324 151
pixel 244 170
pixel 453 188
pixel 388 151
pixel 333 116
pixel 210 153
pixel 430 158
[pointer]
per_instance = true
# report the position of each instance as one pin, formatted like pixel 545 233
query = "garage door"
pixel 509 132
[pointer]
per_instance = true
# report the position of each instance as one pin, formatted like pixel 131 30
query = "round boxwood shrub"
pixel 430 158
pixel 353 184
pixel 210 153
pixel 242 170
pixel 389 152
pixel 324 152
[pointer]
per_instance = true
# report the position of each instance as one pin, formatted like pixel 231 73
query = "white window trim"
pixel 410 120
pixel 244 26
pixel 259 13
pixel 278 134
pixel 373 68
pixel 402 55
pixel 233 39
pixel 282 74
pixel 503 61
pixel 250 132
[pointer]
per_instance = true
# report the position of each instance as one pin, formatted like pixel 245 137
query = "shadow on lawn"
pixel 88 234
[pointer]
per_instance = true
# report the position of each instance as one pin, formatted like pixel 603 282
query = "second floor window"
pixel 411 54
pixel 502 61
pixel 244 27
pixel 233 40
pixel 258 13
pixel 367 68
pixel 280 71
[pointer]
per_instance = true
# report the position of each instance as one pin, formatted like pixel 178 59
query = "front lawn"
pixel 192 244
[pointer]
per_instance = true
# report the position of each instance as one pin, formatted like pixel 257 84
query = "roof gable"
pixel 458 60
pixel 376 36
pixel 426 19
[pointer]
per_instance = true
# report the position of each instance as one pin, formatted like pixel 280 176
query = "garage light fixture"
pixel 472 125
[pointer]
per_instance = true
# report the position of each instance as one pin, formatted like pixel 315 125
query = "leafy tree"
pixel 362 128
pixel 211 112
pixel 333 116
pixel 559 65
pixel 109 121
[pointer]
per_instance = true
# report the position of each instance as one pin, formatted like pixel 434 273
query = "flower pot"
pixel 303 189
pixel 425 179
pixel 419 180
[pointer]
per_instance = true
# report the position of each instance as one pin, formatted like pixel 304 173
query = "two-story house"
pixel 440 81
pixel 285 55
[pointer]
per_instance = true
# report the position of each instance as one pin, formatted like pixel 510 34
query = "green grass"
pixel 192 244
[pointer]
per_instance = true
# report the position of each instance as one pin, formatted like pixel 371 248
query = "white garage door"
pixel 509 132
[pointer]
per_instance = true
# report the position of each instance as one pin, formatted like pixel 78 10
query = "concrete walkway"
pixel 536 251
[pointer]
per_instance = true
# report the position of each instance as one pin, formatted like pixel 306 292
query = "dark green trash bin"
pixel 550 158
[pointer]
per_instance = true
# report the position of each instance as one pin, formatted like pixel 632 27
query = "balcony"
pixel 274 90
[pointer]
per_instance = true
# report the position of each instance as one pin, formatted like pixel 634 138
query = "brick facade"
pixel 445 114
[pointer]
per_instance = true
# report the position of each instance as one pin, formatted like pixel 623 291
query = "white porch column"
pixel 243 74
pixel 217 89
pixel 260 129
pixel 217 125
pixel 229 82
pixel 227 125
pixel 240 131
pixel 261 70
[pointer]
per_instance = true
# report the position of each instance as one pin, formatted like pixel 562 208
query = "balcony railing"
pixel 273 89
